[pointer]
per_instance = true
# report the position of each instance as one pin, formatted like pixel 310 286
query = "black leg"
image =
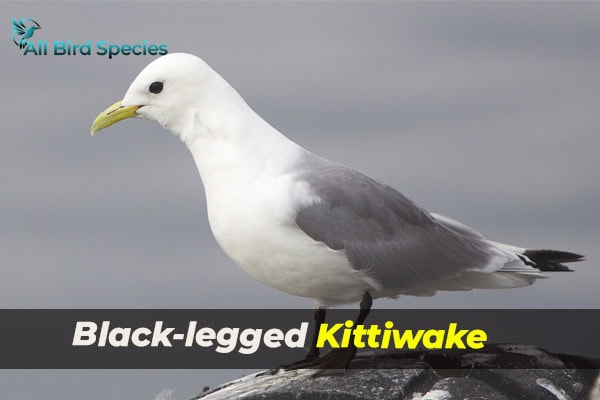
pixel 312 358
pixel 313 352
pixel 365 308
pixel 337 360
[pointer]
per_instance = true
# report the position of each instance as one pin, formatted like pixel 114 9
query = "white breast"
pixel 254 224
pixel 252 198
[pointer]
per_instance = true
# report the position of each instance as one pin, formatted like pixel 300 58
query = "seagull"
pixel 308 226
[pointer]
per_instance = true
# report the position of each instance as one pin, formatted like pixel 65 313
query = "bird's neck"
pixel 235 145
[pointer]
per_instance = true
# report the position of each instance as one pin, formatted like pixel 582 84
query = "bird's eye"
pixel 156 87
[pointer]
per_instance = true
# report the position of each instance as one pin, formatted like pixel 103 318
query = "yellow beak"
pixel 112 115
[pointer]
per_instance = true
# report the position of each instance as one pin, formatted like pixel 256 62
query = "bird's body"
pixel 305 225
pixel 257 213
pixel 253 194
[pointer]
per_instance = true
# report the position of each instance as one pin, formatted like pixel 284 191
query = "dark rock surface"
pixel 501 372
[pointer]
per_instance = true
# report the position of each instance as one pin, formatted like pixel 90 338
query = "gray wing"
pixel 382 232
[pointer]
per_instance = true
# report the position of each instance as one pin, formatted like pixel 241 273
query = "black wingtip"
pixel 552 260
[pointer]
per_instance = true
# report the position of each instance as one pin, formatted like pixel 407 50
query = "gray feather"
pixel 382 232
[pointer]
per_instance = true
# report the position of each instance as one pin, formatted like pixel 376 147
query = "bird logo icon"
pixel 22 30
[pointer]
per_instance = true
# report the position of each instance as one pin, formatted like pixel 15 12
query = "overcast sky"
pixel 485 112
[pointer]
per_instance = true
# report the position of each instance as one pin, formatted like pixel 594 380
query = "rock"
pixel 501 372
pixel 298 385
pixel 595 392
pixel 464 388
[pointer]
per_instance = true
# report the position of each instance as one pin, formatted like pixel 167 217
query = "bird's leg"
pixel 337 360
pixel 365 308
pixel 312 358
pixel 313 352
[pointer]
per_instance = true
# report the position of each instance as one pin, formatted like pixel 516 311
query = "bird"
pixel 306 225
pixel 19 28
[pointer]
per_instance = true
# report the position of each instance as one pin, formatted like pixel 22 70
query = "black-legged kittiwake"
pixel 308 226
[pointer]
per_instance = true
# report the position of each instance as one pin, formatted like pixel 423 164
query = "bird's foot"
pixel 310 361
pixel 335 362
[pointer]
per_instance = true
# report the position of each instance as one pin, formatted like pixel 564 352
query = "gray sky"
pixel 485 112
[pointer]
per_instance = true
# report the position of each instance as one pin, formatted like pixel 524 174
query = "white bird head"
pixel 178 91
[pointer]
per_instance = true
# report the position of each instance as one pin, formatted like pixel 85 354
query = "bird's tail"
pixel 543 259
pixel 526 266
pixel 550 260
